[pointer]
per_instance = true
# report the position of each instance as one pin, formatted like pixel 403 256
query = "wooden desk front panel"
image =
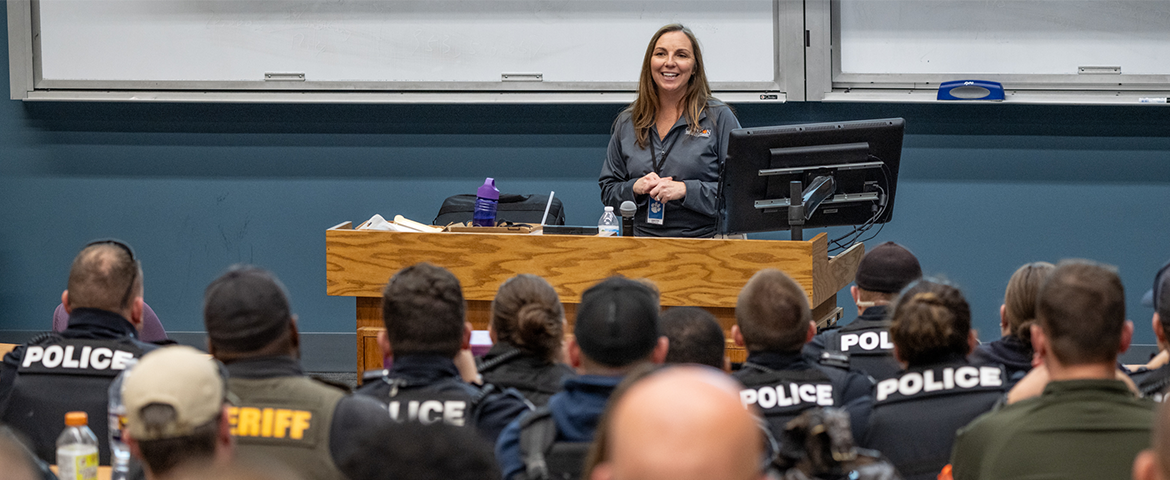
pixel 697 272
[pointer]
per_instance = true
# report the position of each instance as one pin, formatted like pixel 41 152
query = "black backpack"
pixel 545 458
pixel 512 208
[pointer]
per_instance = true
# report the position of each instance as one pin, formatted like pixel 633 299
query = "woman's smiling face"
pixel 672 62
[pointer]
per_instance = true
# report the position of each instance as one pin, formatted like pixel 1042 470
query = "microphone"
pixel 628 210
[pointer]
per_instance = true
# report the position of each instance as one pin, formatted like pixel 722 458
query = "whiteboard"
pixel 208 44
pixel 1014 38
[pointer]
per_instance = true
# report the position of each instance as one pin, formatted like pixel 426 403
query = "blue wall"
pixel 196 187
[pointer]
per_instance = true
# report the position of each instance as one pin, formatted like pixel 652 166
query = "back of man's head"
pixel 772 313
pixel 681 423
pixel 423 309
pixel 887 269
pixel 174 405
pixel 246 310
pixel 695 336
pixel 1081 310
pixel 105 275
pixel 617 322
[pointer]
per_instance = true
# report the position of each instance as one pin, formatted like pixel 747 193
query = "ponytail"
pixel 527 313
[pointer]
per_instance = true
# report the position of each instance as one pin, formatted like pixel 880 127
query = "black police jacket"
pixel 428 389
pixel 866 340
pixel 58 373
pixel 506 366
pixel 782 385
pixel 1154 384
pixel 916 413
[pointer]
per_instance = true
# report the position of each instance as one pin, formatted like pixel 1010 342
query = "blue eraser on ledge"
pixel 970 90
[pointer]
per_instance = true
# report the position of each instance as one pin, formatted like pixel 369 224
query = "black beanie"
pixel 888 268
pixel 245 309
pixel 617 322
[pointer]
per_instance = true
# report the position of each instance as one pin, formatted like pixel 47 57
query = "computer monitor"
pixel 848 173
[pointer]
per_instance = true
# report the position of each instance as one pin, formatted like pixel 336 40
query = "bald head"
pixel 104 276
pixel 682 423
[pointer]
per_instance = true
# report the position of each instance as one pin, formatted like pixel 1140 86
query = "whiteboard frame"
pixel 828 83
pixel 27 82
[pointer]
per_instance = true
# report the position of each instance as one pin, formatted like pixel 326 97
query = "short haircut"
pixel 105 275
pixel 164 455
pixel 1081 308
pixel 528 314
pixel 931 322
pixel 695 336
pixel 245 310
pixel 423 309
pixel 772 313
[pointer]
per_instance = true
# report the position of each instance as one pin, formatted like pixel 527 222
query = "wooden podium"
pixel 704 273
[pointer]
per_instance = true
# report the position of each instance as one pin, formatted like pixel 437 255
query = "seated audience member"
pixel 1154 463
pixel 57 373
pixel 915 414
pixel 1155 383
pixel 882 273
pixel 681 423
pixel 1016 317
pixel 1086 424
pixel 528 331
pixel 152 330
pixel 424 452
pixel 695 337
pixel 426 327
pixel 176 412
pixel 773 322
pixel 616 331
pixel 282 415
pixel 16 461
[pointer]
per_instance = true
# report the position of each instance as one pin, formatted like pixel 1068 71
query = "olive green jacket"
pixel 1076 429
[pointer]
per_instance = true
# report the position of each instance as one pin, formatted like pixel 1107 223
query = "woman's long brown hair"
pixel 645 107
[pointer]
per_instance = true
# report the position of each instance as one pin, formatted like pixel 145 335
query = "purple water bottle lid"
pixel 488 190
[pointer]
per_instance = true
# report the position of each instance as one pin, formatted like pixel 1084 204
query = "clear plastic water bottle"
pixel 119 452
pixel 486 200
pixel 609 225
pixel 77 449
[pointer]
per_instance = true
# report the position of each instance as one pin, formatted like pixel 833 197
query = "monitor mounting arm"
pixel 811 198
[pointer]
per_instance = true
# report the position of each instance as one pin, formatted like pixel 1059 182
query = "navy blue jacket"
pixel 576 409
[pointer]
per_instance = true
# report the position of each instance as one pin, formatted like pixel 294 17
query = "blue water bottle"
pixel 486 199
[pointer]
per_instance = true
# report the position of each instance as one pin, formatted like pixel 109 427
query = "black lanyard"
pixel 657 162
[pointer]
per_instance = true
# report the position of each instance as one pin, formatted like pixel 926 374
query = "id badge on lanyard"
pixel 657 210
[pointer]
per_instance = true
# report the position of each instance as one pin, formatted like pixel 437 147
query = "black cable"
pixel 859 230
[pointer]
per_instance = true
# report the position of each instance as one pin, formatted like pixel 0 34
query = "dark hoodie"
pixel 1009 351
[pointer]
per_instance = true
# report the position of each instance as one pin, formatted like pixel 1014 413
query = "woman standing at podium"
pixel 668 146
